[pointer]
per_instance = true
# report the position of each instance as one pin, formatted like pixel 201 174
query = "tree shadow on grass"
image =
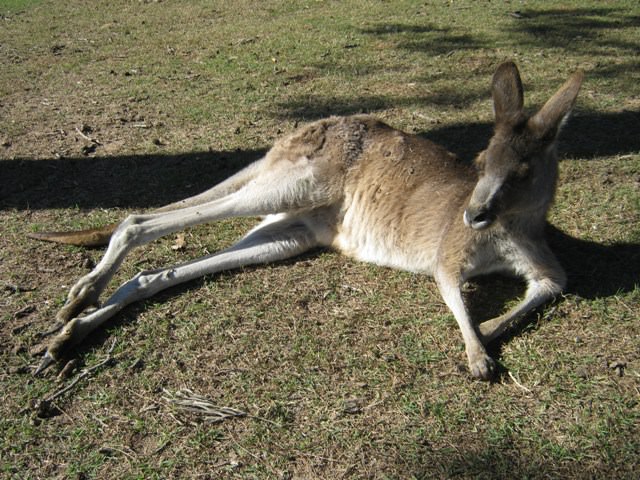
pixel 143 181
pixel 507 456
pixel 581 30
pixel 314 107
pixel 426 37
pixel 593 31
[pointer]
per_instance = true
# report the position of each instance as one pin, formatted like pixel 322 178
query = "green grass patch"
pixel 16 6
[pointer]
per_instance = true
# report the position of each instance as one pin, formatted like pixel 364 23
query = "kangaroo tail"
pixel 94 237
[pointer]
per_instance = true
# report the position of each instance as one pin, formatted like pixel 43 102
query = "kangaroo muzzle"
pixel 481 212
pixel 478 218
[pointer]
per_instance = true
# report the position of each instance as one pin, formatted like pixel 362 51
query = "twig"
pixel 624 304
pixel 188 401
pixel 23 312
pixel 160 448
pixel 518 384
pixel 45 404
pixel 218 465
pixel 63 412
pixel 92 140
pixel 16 330
pixel 14 288
pixel 107 449
pixel 104 425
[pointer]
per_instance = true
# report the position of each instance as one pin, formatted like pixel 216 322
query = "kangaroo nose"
pixel 478 219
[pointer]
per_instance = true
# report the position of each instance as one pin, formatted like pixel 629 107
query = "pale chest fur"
pixel 373 236
pixel 499 251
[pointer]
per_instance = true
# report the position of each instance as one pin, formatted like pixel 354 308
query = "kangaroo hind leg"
pixel 268 186
pixel 273 240
pixel 86 291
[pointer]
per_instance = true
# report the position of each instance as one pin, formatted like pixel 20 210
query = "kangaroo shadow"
pixel 608 135
pixel 594 270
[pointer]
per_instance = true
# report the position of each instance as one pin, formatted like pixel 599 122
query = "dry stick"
pixel 624 304
pixel 160 448
pixel 519 384
pixel 44 403
pixel 15 288
pixel 92 140
pixel 188 401
pixel 108 448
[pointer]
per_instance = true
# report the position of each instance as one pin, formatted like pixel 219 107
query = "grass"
pixel 16 6
pixel 346 370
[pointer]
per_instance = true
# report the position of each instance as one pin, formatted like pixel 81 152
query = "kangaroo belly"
pixel 387 229
pixel 369 244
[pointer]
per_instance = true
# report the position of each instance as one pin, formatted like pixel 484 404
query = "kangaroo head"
pixel 517 172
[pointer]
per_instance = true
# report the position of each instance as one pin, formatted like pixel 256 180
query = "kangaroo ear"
pixel 506 89
pixel 547 122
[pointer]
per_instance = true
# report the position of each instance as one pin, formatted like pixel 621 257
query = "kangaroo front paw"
pixel 482 366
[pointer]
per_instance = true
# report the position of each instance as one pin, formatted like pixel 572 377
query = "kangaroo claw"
pixel 47 360
pixel 66 337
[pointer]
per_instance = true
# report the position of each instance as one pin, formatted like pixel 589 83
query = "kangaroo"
pixel 373 193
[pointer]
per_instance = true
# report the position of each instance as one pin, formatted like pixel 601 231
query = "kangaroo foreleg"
pixel 545 280
pixel 481 364
pixel 538 293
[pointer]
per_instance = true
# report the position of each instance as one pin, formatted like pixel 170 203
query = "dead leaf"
pixel 180 242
